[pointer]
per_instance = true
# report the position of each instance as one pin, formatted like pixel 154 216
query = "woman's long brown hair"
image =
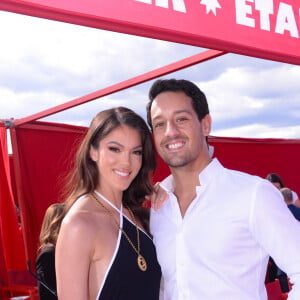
pixel 85 176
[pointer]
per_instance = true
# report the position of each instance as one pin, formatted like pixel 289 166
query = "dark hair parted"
pixel 85 176
pixel 273 177
pixel 199 100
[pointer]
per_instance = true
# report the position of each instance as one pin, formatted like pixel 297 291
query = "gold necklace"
pixel 142 264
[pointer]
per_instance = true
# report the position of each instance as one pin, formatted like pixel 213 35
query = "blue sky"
pixel 45 63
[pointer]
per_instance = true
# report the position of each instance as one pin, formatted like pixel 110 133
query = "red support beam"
pixel 19 188
pixel 179 65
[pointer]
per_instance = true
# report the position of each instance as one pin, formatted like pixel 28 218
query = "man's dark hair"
pixel 199 101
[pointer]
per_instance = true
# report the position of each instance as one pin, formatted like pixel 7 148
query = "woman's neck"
pixel 114 198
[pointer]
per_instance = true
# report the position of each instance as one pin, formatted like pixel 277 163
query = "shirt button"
pixel 180 235
pixel 183 296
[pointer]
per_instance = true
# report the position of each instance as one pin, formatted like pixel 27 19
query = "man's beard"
pixel 177 162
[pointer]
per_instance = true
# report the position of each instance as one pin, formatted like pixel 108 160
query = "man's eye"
pixel 182 119
pixel 114 149
pixel 157 125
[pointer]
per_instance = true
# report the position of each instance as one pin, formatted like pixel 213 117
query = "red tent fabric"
pixel 3 269
pixel 11 236
pixel 261 157
pixel 3 144
pixel 44 153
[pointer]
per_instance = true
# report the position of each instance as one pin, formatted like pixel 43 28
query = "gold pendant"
pixel 141 262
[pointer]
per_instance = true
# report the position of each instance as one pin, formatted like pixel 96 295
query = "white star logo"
pixel 211 5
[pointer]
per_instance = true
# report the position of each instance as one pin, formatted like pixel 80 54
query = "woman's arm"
pixel 73 255
pixel 158 198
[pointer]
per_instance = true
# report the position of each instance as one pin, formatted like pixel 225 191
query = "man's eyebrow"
pixel 183 111
pixel 157 118
pixel 176 112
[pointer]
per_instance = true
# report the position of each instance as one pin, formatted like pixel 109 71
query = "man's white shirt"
pixel 220 249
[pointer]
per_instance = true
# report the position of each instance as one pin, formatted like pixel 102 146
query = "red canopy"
pixel 264 29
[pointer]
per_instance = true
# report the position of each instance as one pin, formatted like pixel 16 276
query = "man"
pixel 215 232
pixel 288 198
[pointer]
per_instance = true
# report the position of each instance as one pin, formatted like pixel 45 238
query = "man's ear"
pixel 206 125
pixel 93 154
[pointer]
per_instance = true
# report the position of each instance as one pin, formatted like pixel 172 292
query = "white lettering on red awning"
pixel 285 18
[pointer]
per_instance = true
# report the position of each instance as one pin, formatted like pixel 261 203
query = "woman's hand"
pixel 158 197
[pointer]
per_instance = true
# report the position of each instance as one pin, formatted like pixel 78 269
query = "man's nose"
pixel 171 129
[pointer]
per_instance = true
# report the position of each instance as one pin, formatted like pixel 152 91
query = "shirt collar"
pixel 205 176
pixel 210 171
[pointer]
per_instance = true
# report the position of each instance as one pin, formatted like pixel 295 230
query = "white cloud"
pixel 44 63
pixel 260 131
pixel 13 104
pixel 242 91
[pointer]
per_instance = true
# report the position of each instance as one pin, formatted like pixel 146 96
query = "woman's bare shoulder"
pixel 84 219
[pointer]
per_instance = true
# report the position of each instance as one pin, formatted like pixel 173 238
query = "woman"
pixel 276 180
pixel 278 183
pixel 45 262
pixel 104 250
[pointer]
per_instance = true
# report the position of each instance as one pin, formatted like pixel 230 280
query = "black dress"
pixel 124 279
pixel 45 268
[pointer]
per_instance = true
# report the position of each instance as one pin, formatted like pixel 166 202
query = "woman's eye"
pixel 114 149
pixel 138 152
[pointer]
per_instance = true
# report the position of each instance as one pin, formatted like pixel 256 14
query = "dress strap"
pixel 120 211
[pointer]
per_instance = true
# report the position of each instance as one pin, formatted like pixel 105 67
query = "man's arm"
pixel 278 232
